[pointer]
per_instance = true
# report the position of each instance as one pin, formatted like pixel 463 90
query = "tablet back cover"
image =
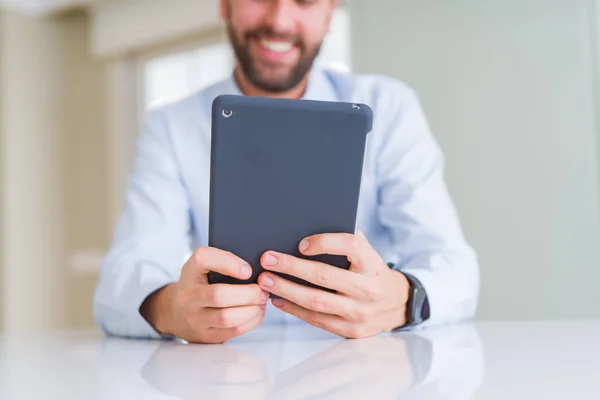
pixel 282 170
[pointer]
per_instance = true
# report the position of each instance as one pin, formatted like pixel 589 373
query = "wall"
pixel 121 27
pixel 46 6
pixel 86 97
pixel 54 162
pixel 508 89
pixel 595 22
pixel 1 184
pixel 32 214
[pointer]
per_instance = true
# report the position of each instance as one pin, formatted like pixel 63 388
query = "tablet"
pixel 282 170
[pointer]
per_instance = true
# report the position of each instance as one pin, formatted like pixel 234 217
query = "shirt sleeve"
pixel 417 210
pixel 151 237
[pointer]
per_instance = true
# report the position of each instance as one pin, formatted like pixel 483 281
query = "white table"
pixel 521 360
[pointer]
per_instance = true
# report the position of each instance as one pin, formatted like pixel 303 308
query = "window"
pixel 335 53
pixel 175 76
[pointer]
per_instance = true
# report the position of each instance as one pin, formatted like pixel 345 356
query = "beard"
pixel 260 75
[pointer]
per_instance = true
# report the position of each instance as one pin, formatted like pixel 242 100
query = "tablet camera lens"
pixel 356 106
pixel 227 113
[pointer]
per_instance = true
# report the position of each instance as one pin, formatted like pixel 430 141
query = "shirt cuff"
pixel 119 313
pixel 138 324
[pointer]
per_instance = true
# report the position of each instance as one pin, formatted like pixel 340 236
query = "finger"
pixel 310 298
pixel 230 317
pixel 222 296
pixel 355 247
pixel 331 323
pixel 220 335
pixel 320 274
pixel 206 259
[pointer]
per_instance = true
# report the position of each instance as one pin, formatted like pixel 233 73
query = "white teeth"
pixel 279 47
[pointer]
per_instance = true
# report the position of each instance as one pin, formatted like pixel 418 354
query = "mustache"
pixel 268 31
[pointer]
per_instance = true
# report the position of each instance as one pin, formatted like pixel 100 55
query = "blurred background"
pixel 511 89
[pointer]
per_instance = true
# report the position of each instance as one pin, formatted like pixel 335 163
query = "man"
pixel 406 216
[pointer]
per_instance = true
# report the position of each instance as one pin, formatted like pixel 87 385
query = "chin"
pixel 274 82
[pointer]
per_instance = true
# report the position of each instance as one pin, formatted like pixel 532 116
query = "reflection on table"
pixel 301 362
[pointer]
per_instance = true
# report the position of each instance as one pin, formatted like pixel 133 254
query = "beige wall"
pixel 508 87
pixel 32 214
pixel 53 164
pixel 86 92
pixel 126 26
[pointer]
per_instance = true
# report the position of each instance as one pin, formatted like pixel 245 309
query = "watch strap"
pixel 417 306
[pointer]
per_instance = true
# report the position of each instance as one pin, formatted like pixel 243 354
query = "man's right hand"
pixel 197 312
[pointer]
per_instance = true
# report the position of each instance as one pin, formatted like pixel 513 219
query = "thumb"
pixel 207 259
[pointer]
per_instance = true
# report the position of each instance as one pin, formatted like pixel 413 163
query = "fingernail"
pixel 263 306
pixel 268 281
pixel 304 245
pixel 270 260
pixel 246 270
pixel 277 302
pixel 264 296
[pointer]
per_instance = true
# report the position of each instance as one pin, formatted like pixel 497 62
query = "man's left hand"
pixel 369 297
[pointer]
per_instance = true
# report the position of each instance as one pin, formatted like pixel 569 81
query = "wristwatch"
pixel 417 306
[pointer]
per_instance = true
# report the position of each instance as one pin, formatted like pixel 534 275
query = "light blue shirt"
pixel 404 210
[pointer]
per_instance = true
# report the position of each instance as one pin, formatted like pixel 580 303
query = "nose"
pixel 281 16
